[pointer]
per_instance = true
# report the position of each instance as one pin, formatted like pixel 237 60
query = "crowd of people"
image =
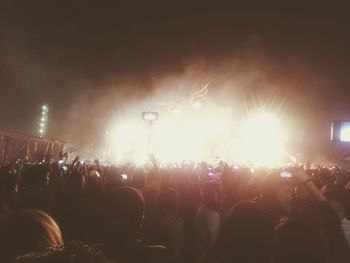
pixel 60 211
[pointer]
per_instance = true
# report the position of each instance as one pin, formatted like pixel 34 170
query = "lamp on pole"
pixel 43 120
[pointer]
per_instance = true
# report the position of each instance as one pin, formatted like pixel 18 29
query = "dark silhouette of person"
pixel 122 219
pixel 245 237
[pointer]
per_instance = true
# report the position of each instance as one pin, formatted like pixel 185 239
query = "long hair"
pixel 28 231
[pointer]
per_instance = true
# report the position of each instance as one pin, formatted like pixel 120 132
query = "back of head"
pixel 123 212
pixel 246 234
pixel 28 231
pixel 270 185
pixel 298 242
pixel 94 182
pixel 114 181
pixel 276 195
pixel 75 183
pixel 36 176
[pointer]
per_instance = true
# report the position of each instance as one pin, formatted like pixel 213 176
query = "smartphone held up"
pixel 286 174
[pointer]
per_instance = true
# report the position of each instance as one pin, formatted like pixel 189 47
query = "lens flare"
pixel 197 105
pixel 261 141
pixel 170 140
pixel 128 142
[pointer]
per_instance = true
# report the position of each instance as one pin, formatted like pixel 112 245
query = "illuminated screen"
pixel 150 116
pixel 345 131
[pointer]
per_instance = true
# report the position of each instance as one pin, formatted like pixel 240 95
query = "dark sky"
pixel 88 58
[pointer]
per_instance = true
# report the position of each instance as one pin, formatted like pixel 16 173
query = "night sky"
pixel 89 59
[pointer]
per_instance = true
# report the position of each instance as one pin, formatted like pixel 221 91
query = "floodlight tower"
pixel 43 120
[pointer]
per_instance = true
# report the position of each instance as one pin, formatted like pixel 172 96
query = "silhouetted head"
pixel 36 176
pixel 245 236
pixel 276 190
pixel 123 214
pixel 114 181
pixel 76 182
pixel 93 182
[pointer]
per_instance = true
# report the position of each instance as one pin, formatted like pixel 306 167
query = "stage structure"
pixel 197 128
pixel 14 146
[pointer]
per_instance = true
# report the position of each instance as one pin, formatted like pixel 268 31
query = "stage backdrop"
pixel 16 146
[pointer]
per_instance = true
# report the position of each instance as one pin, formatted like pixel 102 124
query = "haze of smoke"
pixel 231 83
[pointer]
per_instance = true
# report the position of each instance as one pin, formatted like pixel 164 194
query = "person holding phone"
pixel 324 223
pixel 276 194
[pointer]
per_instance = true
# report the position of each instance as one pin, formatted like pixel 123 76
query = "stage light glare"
pixel 177 111
pixel 345 134
pixel 261 140
pixel 45 108
pixel 150 116
pixel 128 142
pixel 196 105
pixel 171 139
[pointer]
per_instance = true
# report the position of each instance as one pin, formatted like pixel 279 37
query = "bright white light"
pixel 188 138
pixel 345 132
pixel 150 116
pixel 43 120
pixel 178 111
pixel 171 140
pixel 129 142
pixel 261 140
pixel 197 105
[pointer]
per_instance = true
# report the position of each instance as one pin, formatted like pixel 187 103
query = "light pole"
pixel 43 120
